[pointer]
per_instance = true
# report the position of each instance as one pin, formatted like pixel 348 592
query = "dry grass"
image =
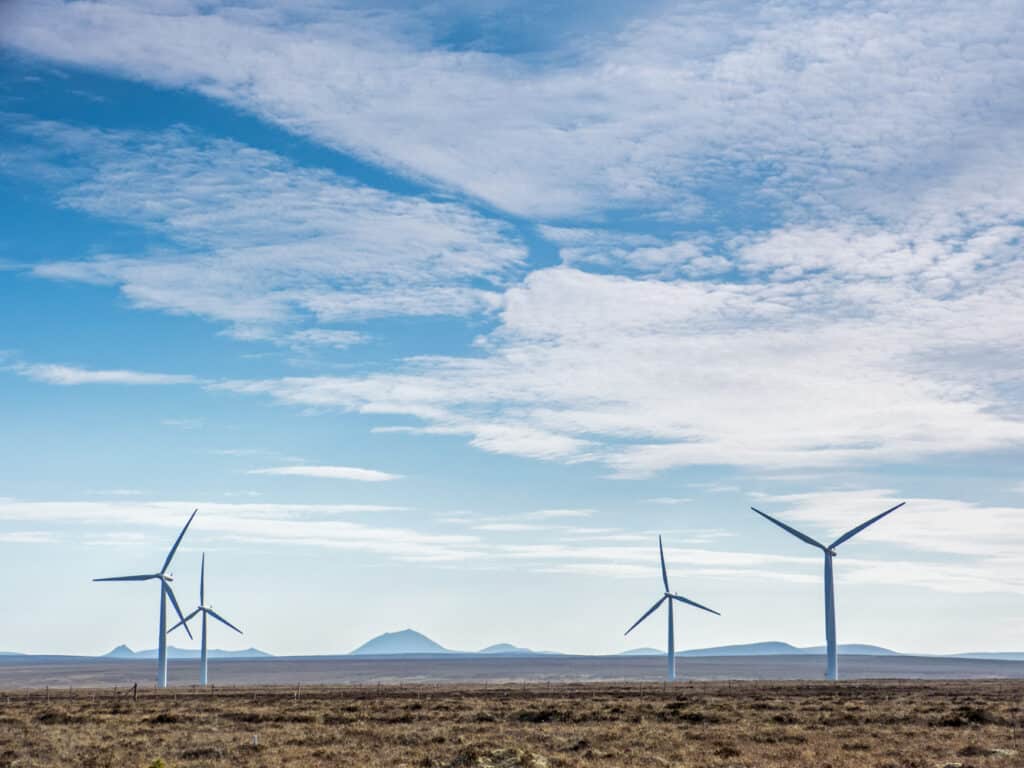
pixel 897 724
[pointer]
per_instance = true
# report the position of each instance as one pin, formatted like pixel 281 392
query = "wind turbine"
pixel 832 669
pixel 165 592
pixel 205 610
pixel 670 596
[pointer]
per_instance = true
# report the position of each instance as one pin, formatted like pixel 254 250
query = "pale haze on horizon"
pixel 441 315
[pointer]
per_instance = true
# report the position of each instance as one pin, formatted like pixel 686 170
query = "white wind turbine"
pixel 165 592
pixel 832 666
pixel 206 610
pixel 669 596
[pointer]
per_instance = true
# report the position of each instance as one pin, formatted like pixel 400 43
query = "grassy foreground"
pixel 964 723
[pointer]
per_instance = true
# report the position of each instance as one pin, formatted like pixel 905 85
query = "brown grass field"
pixel 764 724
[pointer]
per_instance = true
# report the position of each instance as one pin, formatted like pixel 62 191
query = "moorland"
pixel 714 723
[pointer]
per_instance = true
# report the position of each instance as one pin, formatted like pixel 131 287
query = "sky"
pixel 440 313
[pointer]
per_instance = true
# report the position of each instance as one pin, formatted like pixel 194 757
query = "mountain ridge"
pixel 409 642
pixel 173 652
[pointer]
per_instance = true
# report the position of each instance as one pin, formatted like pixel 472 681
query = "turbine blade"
pixel 177 608
pixel 182 622
pixel 650 610
pixel 131 578
pixel 222 620
pixel 686 600
pixel 202 581
pixel 794 531
pixel 664 573
pixel 170 555
pixel 854 531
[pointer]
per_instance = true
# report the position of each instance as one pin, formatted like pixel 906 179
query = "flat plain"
pixel 767 724
pixel 61 672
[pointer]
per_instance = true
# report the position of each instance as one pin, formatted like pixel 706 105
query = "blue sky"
pixel 440 315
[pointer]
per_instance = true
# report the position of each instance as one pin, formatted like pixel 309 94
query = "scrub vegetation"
pixel 893 724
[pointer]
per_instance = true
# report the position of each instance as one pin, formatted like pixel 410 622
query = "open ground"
pixel 712 723
pixel 61 672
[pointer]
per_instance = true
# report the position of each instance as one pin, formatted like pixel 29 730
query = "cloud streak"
pixel 70 376
pixel 555 514
pixel 946 526
pixel 329 473
pixel 986 563
pixel 302 525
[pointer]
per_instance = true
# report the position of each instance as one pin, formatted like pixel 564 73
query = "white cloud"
pixel 646 375
pixel 263 244
pixel 640 253
pixel 328 472
pixel 326 337
pixel 551 514
pixel 802 101
pixel 303 525
pixel 986 561
pixel 184 424
pixel 66 375
pixel 872 316
pixel 119 539
pixel 510 527
pixel 946 526
pixel 28 537
pixel 641 561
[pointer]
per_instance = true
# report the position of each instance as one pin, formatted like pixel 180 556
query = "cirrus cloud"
pixel 69 376
pixel 253 240
pixel 328 472
pixel 803 102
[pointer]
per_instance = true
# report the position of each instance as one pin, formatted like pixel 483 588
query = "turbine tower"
pixel 670 596
pixel 832 668
pixel 206 610
pixel 165 592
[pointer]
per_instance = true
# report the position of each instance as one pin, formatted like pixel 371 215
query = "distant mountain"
pixel 770 648
pixel 507 649
pixel 994 655
pixel 855 649
pixel 407 641
pixel 124 652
